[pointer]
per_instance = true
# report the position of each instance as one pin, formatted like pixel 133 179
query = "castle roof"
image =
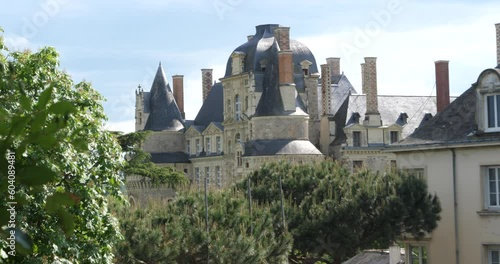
pixel 164 113
pixel 258 49
pixel 212 109
pixel 271 103
pixel 280 147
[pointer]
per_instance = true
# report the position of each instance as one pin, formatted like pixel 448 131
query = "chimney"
pixel 325 88
pixel 372 115
pixel 363 78
pixel 371 85
pixel 287 87
pixel 282 36
pixel 178 81
pixel 442 85
pixel 498 43
pixel 249 37
pixel 334 64
pixel 395 255
pixel 206 79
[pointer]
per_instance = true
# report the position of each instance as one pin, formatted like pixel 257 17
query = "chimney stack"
pixel 325 88
pixel 334 65
pixel 285 66
pixel 497 26
pixel 249 37
pixel 207 82
pixel 442 85
pixel 364 81
pixel 282 36
pixel 178 82
pixel 372 115
pixel 395 255
pixel 371 85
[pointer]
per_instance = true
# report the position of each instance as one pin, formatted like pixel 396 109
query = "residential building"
pixel 458 153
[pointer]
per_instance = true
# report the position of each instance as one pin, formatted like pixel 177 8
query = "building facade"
pixel 458 153
pixel 274 103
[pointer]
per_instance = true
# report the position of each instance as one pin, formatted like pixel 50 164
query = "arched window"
pixel 237 107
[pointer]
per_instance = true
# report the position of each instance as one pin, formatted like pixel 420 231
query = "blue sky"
pixel 117 45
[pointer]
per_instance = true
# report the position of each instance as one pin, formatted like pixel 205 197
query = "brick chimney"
pixel 325 89
pixel 497 26
pixel 372 115
pixel 282 36
pixel 442 85
pixel 178 82
pixel 363 78
pixel 207 82
pixel 285 62
pixel 334 65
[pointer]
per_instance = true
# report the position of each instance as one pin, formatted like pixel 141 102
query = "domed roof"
pixel 258 48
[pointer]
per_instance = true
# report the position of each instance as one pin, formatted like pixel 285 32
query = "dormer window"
pixel 488 108
pixel 493 112
pixel 263 65
pixel 305 64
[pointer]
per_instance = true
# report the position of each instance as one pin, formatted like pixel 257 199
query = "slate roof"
pixel 169 157
pixel 371 257
pixel 164 113
pixel 257 49
pixel 270 103
pixel 212 109
pixel 147 97
pixel 391 107
pixel 455 124
pixel 280 147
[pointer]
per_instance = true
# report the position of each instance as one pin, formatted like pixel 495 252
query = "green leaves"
pixel 64 161
pixel 34 175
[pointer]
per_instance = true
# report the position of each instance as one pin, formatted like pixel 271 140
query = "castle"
pixel 273 104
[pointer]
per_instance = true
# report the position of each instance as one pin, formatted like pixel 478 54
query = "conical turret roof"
pixel 164 114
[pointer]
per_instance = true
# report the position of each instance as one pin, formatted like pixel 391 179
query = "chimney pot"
pixel 206 78
pixel 178 82
pixel 442 85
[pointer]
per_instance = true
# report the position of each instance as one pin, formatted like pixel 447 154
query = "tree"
pixel 62 165
pixel 333 213
pixel 176 232
pixel 139 162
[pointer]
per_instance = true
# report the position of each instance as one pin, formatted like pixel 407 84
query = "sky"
pixel 117 45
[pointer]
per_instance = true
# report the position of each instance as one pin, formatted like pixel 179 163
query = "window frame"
pixel 208 145
pixel 486 187
pixel 496 112
pixel 237 107
pixel 198 146
pixel 392 135
pixel 489 254
pixel 239 159
pixel 207 175
pixel 356 139
pixel 218 144
pixel 421 247
pixel 188 147
pixel 197 176
pixel 218 176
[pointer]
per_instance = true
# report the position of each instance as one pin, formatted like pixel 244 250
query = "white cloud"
pixel 126 126
pixel 405 63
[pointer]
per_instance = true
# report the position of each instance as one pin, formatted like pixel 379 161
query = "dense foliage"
pixel 176 232
pixel 334 213
pixel 63 164
pixel 139 162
